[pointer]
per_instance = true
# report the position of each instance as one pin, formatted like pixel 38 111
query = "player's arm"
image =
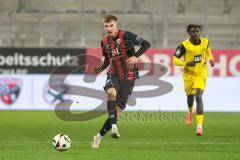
pixel 105 63
pixel 210 56
pixel 137 41
pixel 180 51
pixel 134 40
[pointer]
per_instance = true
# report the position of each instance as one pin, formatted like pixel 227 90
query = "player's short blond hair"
pixel 109 18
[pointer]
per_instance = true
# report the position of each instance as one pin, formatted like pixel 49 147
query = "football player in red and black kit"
pixel 121 60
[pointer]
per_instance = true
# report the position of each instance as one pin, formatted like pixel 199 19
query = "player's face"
pixel 195 33
pixel 111 28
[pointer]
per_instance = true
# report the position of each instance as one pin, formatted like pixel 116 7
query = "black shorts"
pixel 123 87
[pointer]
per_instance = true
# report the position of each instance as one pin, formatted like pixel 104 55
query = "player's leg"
pixel 124 92
pixel 190 101
pixel 119 111
pixel 111 88
pixel 190 92
pixel 200 84
pixel 199 101
pixel 105 128
pixel 111 105
pixel 97 138
pixel 190 114
pixel 110 121
pixel 112 111
pixel 119 108
pixel 126 88
pixel 107 125
pixel 199 109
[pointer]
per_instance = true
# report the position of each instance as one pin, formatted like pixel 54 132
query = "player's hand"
pixel 191 63
pixel 132 61
pixel 212 63
pixel 97 70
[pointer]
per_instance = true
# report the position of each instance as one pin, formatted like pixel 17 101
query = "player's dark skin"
pixel 194 34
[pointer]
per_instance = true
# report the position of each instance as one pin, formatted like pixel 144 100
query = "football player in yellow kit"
pixel 193 54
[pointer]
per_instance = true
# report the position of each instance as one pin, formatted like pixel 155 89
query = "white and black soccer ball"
pixel 61 142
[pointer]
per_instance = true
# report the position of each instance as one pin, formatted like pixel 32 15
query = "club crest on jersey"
pixel 139 39
pixel 9 90
pixel 118 41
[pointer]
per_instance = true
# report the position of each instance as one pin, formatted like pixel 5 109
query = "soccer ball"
pixel 61 142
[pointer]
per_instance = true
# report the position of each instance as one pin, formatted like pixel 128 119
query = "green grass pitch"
pixel 27 135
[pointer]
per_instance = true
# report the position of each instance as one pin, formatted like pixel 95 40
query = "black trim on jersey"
pixel 180 51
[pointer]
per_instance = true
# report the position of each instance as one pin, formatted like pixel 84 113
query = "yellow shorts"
pixel 191 82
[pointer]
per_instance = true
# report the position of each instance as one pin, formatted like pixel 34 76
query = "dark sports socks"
pixel 111 107
pixel 106 127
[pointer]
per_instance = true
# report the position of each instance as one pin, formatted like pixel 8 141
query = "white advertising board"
pixel 33 93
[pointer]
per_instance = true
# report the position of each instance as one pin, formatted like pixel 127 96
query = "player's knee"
pixel 198 97
pixel 190 99
pixel 111 94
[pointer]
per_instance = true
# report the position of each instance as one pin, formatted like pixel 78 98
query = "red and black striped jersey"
pixel 117 50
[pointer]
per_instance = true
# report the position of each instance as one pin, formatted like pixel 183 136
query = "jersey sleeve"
pixel 136 40
pixel 209 53
pixel 180 51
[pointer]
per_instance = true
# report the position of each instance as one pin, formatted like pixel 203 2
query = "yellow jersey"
pixel 197 52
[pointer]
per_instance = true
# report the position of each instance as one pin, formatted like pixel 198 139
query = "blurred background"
pixel 78 23
pixel 36 36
